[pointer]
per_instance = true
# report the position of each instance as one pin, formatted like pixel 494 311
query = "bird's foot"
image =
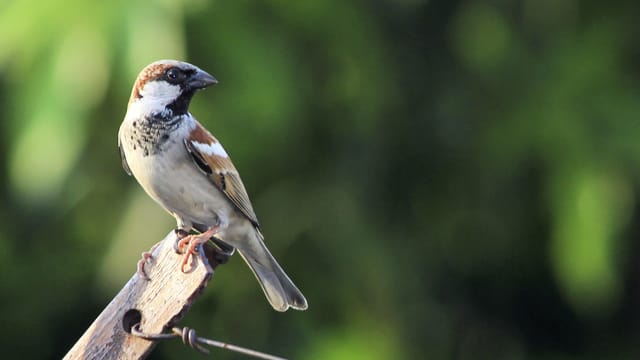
pixel 189 246
pixel 180 235
pixel 147 258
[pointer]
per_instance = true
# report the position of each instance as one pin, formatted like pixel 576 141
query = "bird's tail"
pixel 277 287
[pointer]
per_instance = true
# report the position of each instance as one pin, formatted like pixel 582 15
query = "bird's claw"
pixel 190 245
pixel 180 235
pixel 190 253
pixel 147 258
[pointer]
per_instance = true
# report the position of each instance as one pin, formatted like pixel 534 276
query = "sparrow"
pixel 186 170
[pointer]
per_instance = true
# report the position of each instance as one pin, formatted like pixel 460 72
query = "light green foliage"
pixel 442 179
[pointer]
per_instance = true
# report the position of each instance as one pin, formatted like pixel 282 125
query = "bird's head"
pixel 167 86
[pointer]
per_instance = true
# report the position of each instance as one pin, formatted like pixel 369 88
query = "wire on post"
pixel 190 338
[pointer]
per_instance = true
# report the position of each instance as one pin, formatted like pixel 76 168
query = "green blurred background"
pixel 443 179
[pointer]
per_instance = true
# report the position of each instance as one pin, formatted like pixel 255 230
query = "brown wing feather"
pixel 221 172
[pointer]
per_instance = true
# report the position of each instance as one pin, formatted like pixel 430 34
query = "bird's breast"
pixel 169 175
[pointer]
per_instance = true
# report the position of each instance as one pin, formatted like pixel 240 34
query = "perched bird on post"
pixel 188 172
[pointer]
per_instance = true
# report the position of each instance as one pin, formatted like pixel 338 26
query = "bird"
pixel 187 171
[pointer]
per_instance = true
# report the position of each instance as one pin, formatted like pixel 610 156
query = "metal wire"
pixel 190 338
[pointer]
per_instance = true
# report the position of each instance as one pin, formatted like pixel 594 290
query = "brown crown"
pixel 149 73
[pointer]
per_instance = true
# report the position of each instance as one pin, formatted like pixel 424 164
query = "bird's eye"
pixel 174 75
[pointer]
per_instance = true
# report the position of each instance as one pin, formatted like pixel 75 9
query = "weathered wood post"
pixel 157 304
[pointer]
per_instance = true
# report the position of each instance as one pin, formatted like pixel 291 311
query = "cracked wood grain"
pixel 161 301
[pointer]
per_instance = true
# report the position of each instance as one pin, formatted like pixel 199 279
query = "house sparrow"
pixel 188 172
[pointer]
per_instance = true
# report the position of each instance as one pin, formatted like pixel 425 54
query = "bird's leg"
pixel 192 242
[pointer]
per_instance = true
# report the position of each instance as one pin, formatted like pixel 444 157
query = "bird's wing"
pixel 125 166
pixel 209 155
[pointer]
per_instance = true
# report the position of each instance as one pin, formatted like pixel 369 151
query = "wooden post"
pixel 157 304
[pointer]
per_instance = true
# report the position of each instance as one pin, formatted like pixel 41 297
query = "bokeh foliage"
pixel 443 179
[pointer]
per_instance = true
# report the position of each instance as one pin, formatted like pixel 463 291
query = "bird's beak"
pixel 201 80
